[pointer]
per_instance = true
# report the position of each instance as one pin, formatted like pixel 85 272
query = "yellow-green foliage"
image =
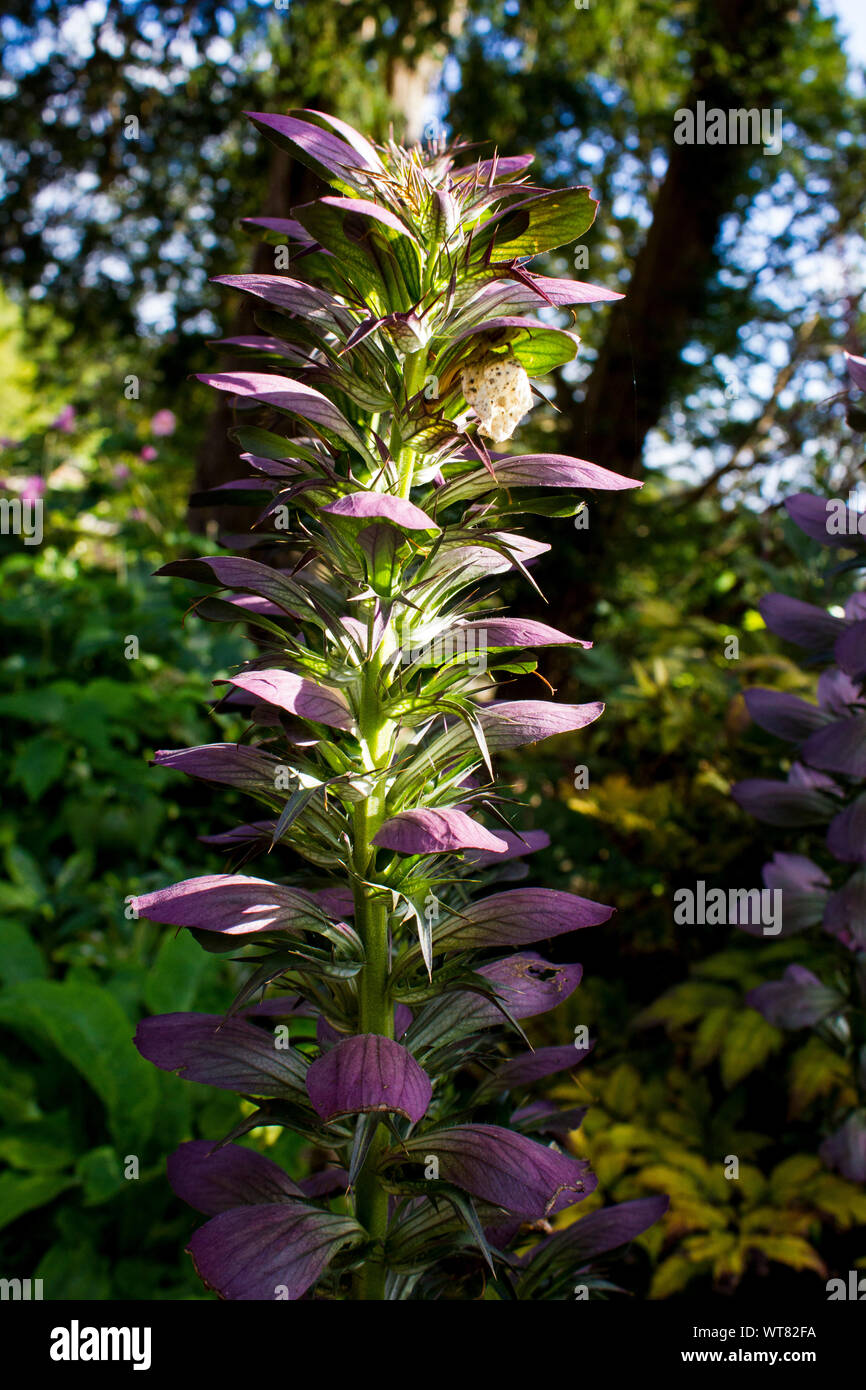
pixel 644 1136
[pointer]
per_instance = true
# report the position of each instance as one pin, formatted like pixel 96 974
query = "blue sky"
pixel 852 13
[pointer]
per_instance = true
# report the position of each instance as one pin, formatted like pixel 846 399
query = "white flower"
pixel 498 390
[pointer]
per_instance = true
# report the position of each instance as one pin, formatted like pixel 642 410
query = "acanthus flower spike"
pixel 384 988
pixel 824 789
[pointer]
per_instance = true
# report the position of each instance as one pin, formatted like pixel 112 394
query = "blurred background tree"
pixel 127 167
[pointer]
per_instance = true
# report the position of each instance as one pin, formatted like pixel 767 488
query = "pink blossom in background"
pixel 120 472
pixel 34 486
pixel 65 421
pixel 164 422
pixel 148 453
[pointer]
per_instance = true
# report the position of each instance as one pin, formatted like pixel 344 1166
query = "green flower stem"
pixel 376 1011
pixel 414 369
pixel 377 1016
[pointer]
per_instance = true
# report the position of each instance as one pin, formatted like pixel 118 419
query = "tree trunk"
pixel 639 359
pixel 635 375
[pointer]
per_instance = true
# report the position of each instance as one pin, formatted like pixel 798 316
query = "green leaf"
pixel 749 1042
pixel 267 445
pixel 34 1149
pixel 843 1201
pixel 419 1235
pixel 794 1176
pixel 672 1276
pixel 678 1185
pixel 16 899
pixel 101 1173
pixel 685 1003
pixel 76 872
pixel 17 1095
pixel 543 223
pixel 24 871
pixel 711 1035
pixel 173 980
pixel 45 706
pixel 75 1272
pixel 91 1031
pixel 622 1090
pixel 816 1071
pixel 20 957
pixel 383 260
pixel 537 506
pixel 514 668
pixel 710 1246
pixel 789 1250
pixel 294 806
pixel 20 1194
pixel 37 764
pixel 539 350
pixel 381 547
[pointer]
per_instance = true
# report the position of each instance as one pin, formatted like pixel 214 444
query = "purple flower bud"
pixel 232 904
pixel 798 1000
pixel 505 1168
pixel 785 715
pixel 297 696
pixel 802 623
pixel 845 914
pixel 846 834
pixel 229 1053
pixel 267 1252
pixel 518 918
pixel 856 370
pixel 214 1180
pixel 840 747
pixel 368 1073
pixel 781 803
pixel 436 832
pixel 816 516
pixel 846 1149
